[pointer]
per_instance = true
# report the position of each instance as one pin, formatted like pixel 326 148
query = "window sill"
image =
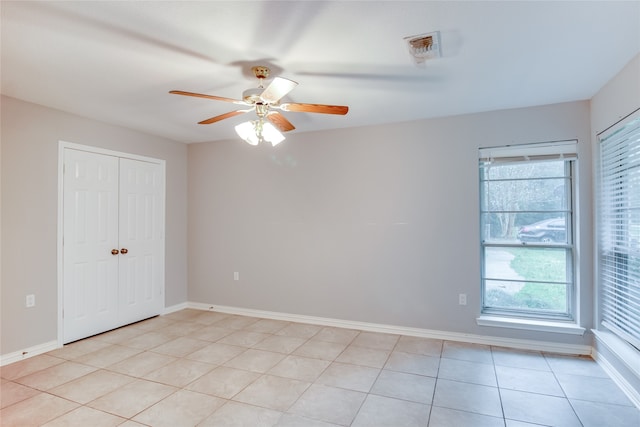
pixel 531 325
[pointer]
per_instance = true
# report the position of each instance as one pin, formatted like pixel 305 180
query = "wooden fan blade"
pixel 224 116
pixel 315 108
pixel 202 95
pixel 280 121
pixel 278 88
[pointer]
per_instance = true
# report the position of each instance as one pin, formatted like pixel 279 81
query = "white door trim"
pixel 62 145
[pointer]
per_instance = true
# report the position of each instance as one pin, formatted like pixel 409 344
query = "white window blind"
pixel 619 227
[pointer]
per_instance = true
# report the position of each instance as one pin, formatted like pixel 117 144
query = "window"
pixel 526 219
pixel 619 231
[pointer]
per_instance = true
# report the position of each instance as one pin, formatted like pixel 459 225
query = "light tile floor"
pixel 197 368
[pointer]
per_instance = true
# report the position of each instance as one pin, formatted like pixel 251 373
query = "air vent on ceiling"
pixel 424 46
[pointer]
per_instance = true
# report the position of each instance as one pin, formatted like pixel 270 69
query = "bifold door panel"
pixel 141 239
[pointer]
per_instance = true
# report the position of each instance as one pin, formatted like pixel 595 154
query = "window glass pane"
pixel 525 195
pixel 538 297
pixel 526 264
pixel 525 227
pixel 525 170
pixel 527 278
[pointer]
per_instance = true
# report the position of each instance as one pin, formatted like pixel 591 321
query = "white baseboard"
pixel 17 356
pixel 629 358
pixel 621 381
pixel 552 347
pixel 174 308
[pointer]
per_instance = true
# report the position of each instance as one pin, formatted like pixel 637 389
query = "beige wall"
pixel 29 179
pixel 618 98
pixel 377 224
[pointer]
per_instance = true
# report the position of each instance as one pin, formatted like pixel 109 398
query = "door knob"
pixel 124 251
pixel 114 252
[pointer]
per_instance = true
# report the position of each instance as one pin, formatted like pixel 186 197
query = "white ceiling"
pixel 116 61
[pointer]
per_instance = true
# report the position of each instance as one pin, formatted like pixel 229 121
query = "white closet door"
pixel 90 234
pixel 113 242
pixel 141 277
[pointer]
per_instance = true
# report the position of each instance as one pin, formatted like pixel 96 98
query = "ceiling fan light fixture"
pixel 262 100
pixel 424 46
pixel 247 131
pixel 256 131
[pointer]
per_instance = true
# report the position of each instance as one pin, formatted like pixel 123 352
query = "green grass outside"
pixel 535 264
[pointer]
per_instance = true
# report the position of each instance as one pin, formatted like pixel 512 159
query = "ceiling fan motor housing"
pixel 252 95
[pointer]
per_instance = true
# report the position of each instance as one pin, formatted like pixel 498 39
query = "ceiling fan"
pixel 265 102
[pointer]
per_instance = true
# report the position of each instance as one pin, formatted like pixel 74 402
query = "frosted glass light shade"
pixel 271 134
pixel 247 132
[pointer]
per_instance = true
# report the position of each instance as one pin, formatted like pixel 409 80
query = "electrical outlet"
pixel 462 299
pixel 30 301
pixel 236 275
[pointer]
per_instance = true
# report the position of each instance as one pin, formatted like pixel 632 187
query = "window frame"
pixel 526 154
